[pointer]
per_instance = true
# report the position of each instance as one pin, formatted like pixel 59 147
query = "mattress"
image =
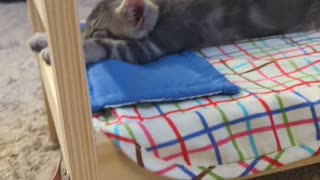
pixel 272 122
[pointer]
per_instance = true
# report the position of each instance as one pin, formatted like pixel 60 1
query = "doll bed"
pixel 271 126
pixel 272 122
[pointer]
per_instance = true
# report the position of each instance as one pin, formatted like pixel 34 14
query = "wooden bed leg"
pixel 37 26
pixel 51 126
pixel 70 102
pixel 36 23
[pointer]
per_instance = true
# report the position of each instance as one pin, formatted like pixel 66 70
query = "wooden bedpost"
pixel 37 26
pixel 68 101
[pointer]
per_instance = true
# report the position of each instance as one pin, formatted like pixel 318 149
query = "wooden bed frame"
pixel 87 155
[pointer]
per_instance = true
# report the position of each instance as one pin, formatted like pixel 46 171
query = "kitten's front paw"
pixel 38 42
pixel 93 51
pixel 46 55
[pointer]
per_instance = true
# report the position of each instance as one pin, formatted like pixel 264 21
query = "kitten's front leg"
pixel 136 52
pixel 131 51
pixel 38 43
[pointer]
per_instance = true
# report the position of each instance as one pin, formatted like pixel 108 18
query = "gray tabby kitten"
pixel 141 31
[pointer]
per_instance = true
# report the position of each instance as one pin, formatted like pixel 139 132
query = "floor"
pixel 25 150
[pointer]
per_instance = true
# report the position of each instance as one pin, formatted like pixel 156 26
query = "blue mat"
pixel 176 77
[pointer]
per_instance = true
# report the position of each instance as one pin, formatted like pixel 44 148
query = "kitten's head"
pixel 122 19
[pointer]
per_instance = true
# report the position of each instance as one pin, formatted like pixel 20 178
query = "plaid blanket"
pixel 274 121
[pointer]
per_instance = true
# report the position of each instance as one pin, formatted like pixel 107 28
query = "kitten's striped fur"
pixel 141 31
pixel 131 51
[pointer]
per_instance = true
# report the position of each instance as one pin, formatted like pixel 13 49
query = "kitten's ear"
pixel 133 10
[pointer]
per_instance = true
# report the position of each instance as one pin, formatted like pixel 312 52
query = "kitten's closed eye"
pixel 101 33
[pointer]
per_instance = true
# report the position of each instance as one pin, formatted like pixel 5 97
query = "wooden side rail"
pixel 69 93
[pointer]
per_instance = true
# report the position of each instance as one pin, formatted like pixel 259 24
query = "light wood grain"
pixel 72 114
pixel 112 163
pixel 51 125
pixel 37 26
pixel 39 7
pixel 36 22
pixel 50 90
pixel 48 87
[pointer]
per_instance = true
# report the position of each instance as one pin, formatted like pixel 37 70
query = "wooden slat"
pixel 51 125
pixel 36 22
pixel 37 26
pixel 72 114
pixel 51 95
pixel 39 5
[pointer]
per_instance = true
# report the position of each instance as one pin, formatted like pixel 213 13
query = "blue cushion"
pixel 182 76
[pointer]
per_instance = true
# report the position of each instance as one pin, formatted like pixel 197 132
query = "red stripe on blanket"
pixel 242 134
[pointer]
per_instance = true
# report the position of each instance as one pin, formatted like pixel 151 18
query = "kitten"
pixel 141 31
